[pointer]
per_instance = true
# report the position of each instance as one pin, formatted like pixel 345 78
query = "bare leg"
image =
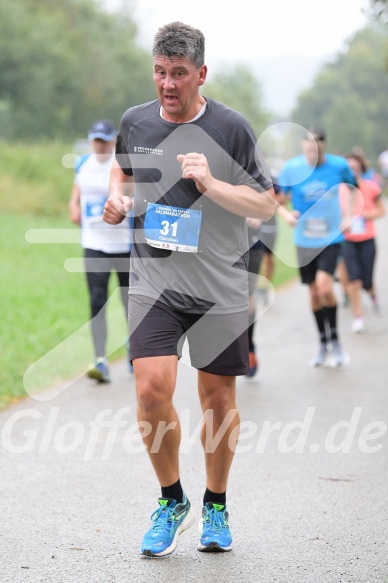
pixel 269 266
pixel 325 289
pixel 343 277
pixel 355 297
pixel 218 401
pixel 155 385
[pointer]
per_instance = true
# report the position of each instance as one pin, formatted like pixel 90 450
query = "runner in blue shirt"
pixel 312 180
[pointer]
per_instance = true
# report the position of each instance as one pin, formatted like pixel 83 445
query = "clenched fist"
pixel 116 208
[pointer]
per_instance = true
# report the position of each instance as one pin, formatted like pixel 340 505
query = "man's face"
pixel 314 151
pixel 177 82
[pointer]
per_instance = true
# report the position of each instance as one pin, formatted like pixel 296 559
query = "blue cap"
pixel 102 129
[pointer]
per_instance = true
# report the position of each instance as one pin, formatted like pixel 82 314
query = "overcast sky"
pixel 292 38
pixel 246 29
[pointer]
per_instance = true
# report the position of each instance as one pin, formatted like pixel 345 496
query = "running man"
pixel 312 181
pixel 105 249
pixel 255 258
pixel 257 233
pixel 197 176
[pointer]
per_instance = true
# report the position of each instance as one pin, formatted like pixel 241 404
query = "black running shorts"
pixel 312 260
pixel 218 344
pixel 359 259
pixel 255 258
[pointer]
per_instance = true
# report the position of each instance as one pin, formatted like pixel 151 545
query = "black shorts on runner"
pixel 312 260
pixel 359 260
pixel 267 241
pixel 218 344
pixel 255 258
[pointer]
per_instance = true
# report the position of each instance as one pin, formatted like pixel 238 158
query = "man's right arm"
pixel 119 203
pixel 283 198
pixel 290 217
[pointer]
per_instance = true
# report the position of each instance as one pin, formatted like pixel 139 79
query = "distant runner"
pixel 312 181
pixel 106 249
pixel 360 245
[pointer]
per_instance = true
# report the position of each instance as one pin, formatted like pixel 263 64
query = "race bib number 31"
pixel 172 228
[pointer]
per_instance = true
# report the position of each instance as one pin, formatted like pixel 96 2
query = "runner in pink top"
pixel 360 247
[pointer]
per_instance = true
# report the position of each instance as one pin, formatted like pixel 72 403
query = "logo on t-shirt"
pixel 147 150
pixel 314 190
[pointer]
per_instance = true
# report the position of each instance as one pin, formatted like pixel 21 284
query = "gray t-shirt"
pixel 147 148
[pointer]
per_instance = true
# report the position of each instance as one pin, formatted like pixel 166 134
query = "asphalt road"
pixel 308 489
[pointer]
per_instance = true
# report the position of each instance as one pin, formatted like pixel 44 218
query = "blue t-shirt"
pixel 314 193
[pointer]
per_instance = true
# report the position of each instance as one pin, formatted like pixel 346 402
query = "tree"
pixel 238 88
pixel 65 63
pixel 348 96
pixel 379 9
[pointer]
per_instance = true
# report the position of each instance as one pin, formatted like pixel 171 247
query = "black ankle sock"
pixel 210 496
pixel 331 316
pixel 174 491
pixel 320 318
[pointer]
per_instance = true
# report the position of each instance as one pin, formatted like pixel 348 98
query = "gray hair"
pixel 180 40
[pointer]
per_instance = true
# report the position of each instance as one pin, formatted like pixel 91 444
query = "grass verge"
pixel 44 310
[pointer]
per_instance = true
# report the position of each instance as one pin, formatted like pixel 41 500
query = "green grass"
pixel 44 310
pixel 33 179
pixel 285 255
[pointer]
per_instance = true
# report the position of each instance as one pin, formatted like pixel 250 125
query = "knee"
pixel 315 298
pixel 326 295
pixel 219 401
pixel 152 395
pixel 219 411
pixel 325 291
pixel 97 301
pixel 219 406
pixel 356 284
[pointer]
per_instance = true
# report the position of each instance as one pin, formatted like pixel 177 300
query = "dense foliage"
pixel 349 96
pixel 65 63
pixel 238 88
pixel 379 9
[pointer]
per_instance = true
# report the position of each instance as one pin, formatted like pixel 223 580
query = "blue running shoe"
pixel 168 521
pixel 99 372
pixel 214 529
